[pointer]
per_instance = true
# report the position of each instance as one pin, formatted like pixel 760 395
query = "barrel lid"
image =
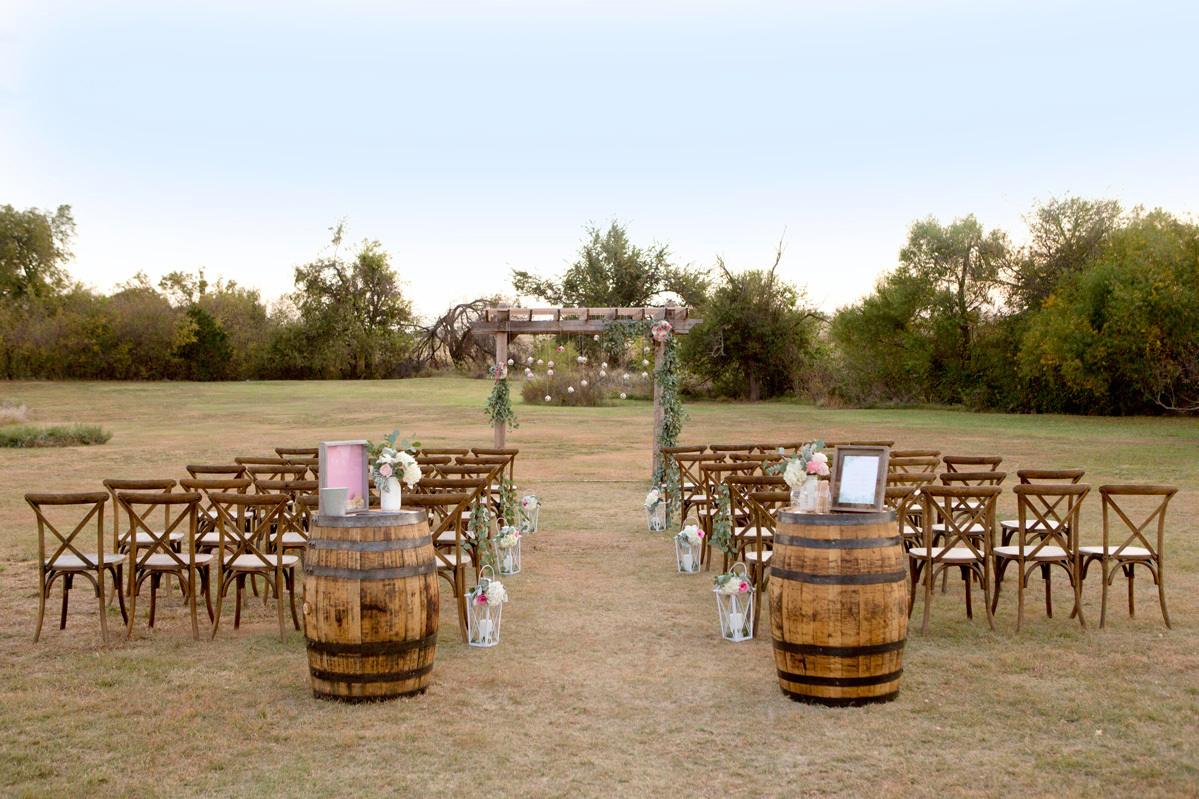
pixel 374 518
pixel 835 519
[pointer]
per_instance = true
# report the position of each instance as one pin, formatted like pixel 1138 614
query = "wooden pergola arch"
pixel 507 323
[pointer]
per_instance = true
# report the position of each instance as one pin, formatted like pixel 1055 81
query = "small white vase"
pixel 389 497
pixel 809 494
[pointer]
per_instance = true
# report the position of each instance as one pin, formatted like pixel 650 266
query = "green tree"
pixel 756 335
pixel 612 272
pixel 353 315
pixel 34 245
pixel 208 355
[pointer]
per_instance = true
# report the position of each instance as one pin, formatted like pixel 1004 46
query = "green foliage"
pixel 722 523
pixel 499 405
pixel 80 435
pixel 508 501
pixel 756 335
pixel 208 355
pixel 612 272
pixel 673 415
pixel 479 530
pixel 34 244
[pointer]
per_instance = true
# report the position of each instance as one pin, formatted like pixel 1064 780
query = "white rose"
pixel 820 457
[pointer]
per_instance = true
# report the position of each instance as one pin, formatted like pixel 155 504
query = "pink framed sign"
pixel 343 464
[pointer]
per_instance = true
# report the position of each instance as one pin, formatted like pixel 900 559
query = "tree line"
pixel 1096 311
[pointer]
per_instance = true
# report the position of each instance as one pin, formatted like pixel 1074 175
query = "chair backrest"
pixel 508 453
pixel 186 505
pixel 247 523
pixel 969 462
pixel 254 460
pixel 901 499
pixel 208 514
pixel 916 453
pixel 434 460
pixel 1123 499
pixel 690 449
pixel 721 448
pixel 121 533
pixel 887 444
pixel 292 453
pixel 915 479
pixel 454 451
pixel 1048 516
pixel 757 498
pixel 790 446
pixel 972 478
pixel 261 475
pixel 91 505
pixel 689 467
pixel 231 471
pixel 920 465
pixel 1029 476
pixel 961 509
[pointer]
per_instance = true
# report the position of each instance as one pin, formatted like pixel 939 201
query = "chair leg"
pixel 119 585
pixel 1132 608
pixel 1048 591
pixel 1076 584
pixel 1161 594
pixel 1103 595
pixel 191 600
pixel 222 587
pixel 66 592
pixel 206 587
pixel 41 611
pixel 103 603
pixel 914 567
pixel 279 604
pixel 291 590
pixel 966 574
pixel 928 596
pixel 1000 566
pixel 1021 581
pixel 241 585
pixel 986 581
pixel 460 596
pixel 155 580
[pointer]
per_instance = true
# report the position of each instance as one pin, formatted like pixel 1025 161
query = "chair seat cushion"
pixel 145 539
pixel 953 555
pixel 974 529
pixel 756 532
pixel 451 558
pixel 69 562
pixel 1014 524
pixel 1139 553
pixel 160 561
pixel 294 540
pixel 255 563
pixel 1044 553
pixel 756 557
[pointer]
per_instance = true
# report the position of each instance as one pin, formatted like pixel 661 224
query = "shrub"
pixel 58 436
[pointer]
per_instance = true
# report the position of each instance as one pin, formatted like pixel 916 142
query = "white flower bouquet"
pixel 485 605
pixel 529 511
pixel 507 550
pixel 655 510
pixel 687 549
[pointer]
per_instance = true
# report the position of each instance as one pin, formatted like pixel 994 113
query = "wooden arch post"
pixel 506 323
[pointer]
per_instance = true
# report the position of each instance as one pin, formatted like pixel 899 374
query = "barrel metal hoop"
pixel 839 682
pixel 428 567
pixel 839 651
pixel 835 543
pixel 371 648
pixel 386 676
pixel 370 546
pixel 839 579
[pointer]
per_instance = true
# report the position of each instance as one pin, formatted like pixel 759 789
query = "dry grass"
pixel 611 676
pixel 13 413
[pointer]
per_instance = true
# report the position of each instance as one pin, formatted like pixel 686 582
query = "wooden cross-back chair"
pixel 312 465
pixel 671 467
pixel 498 464
pixel 251 528
pixel 691 481
pixel 261 474
pixel 791 447
pixel 504 452
pixel 761 461
pixel 712 475
pixel 1047 536
pixel 259 460
pixel 760 497
pixel 207 536
pixel 124 535
pixel 293 519
pixel 446 527
pixel 962 511
pixel 971 463
pixel 1008 527
pixel 902 499
pixel 916 453
pixel 70 555
pixel 159 557
pixel 452 451
pixel 1132 546
pixel 434 462
pixel 231 471
pixel 725 449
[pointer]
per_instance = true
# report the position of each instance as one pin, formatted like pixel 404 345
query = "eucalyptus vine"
pixel 499 404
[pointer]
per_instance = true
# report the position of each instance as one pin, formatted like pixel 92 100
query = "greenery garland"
pixel 479 528
pixel 673 415
pixel 508 504
pixel 499 405
pixel 722 525
pixel 619 333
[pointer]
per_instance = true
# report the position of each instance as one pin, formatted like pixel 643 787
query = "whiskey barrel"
pixel 371 605
pixel 838 607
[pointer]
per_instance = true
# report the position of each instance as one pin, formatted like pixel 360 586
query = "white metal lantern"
pixel 736 608
pixel 688 548
pixel 655 517
pixel 508 558
pixel 483 618
pixel 528 512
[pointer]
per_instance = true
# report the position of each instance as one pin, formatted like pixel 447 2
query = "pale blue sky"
pixel 474 136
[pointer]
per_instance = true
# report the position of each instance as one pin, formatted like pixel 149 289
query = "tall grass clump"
pixel 80 435
pixel 12 413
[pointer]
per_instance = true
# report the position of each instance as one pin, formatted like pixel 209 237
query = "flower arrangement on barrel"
pixel 687 550
pixel 484 609
pixel 803 471
pixel 392 463
pixel 734 602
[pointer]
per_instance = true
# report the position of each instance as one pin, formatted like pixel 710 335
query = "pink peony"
pixel 481 599
pixel 385 470
pixel 741 589
pixel 813 467
pixel 823 470
pixel 699 534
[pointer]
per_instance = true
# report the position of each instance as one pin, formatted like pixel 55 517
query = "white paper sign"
pixel 859 476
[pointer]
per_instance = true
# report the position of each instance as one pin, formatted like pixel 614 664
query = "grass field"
pixel 611 677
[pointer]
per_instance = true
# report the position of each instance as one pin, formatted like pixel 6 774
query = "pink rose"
pixel 741 589
pixel 823 470
pixel 700 534
pixel 481 599
pixel 813 467
pixel 385 470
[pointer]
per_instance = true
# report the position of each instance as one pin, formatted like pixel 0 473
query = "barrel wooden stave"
pixel 838 603
pixel 371 606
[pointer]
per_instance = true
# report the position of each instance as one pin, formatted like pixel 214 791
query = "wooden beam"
pixel 546 327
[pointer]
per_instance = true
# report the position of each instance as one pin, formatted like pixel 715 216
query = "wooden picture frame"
pixel 859 479
pixel 343 464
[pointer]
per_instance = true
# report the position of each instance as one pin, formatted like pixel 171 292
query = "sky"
pixel 472 138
